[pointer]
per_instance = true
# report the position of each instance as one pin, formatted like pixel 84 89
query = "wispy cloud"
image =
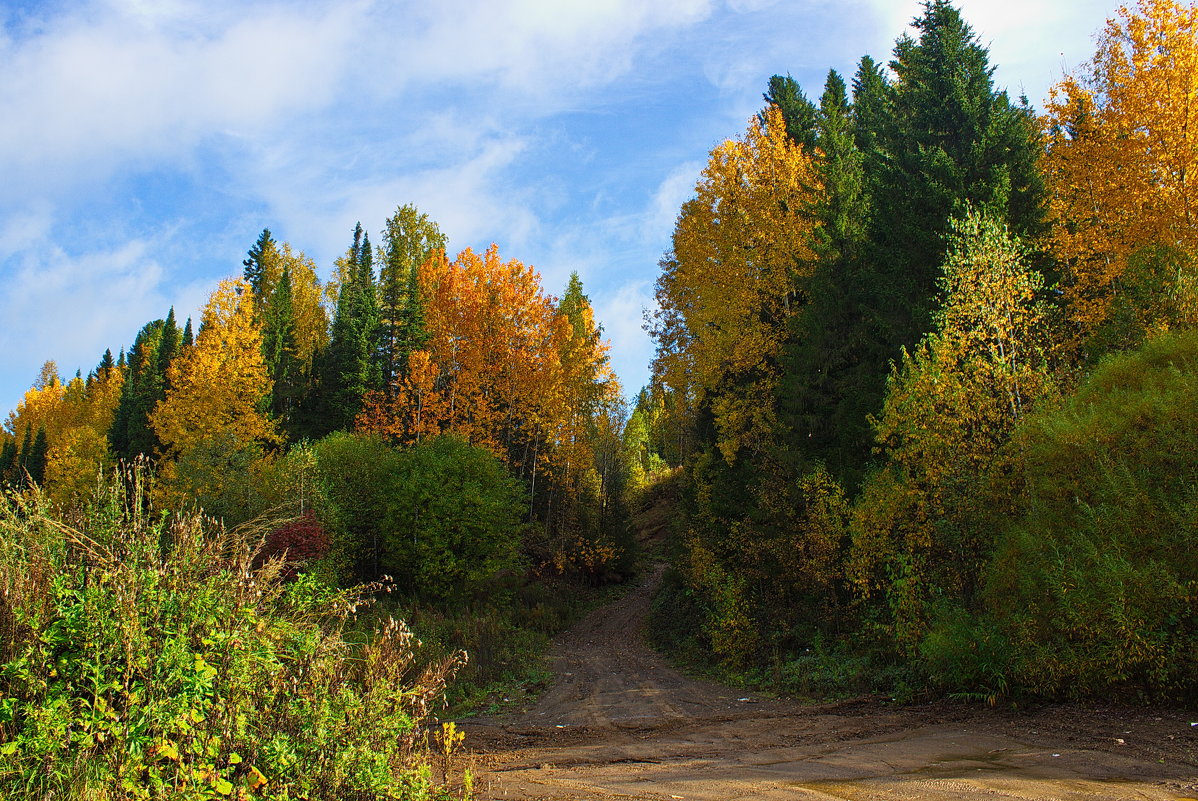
pixel 86 93
pixel 146 142
pixel 65 305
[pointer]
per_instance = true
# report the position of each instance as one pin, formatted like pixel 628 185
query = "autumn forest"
pixel 924 410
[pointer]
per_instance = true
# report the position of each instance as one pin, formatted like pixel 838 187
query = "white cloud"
pixel 674 190
pixel 88 93
pixel 534 48
pixel 622 315
pixel 25 228
pixel 69 308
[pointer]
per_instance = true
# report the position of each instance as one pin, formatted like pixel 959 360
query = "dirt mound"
pixel 618 722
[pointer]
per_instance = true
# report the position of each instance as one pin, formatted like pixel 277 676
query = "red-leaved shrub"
pixel 300 541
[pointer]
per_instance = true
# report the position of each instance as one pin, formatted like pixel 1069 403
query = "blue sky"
pixel 145 143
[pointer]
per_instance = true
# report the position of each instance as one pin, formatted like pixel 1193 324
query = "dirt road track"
pixel 618 722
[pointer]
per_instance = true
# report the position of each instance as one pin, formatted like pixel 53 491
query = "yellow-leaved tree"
pixel 1123 155
pixel 212 423
pixel 75 417
pixel 729 288
pixel 950 407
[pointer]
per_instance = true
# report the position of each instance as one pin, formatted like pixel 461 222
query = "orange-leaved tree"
pixel 1123 154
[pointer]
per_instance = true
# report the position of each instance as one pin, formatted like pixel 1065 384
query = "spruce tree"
pixel 409 238
pixel 106 363
pixel 349 365
pixel 156 344
pixel 797 110
pixel 415 331
pixel 22 467
pixel 188 336
pixel 168 348
pixel 258 258
pixel 35 462
pixel 281 354
pixel 936 140
pixel 8 461
pixel 822 356
pixel 952 140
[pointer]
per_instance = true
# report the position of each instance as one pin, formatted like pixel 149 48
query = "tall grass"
pixel 143 656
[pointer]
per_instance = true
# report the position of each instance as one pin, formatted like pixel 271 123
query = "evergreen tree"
pixel 871 114
pixel 349 366
pixel 281 353
pixel 797 110
pixel 822 356
pixel 368 312
pixel 168 347
pixel 35 461
pixel 106 363
pixel 415 330
pixel 22 464
pixel 952 140
pixel 188 337
pixel 924 148
pixel 409 238
pixel 8 461
pixel 259 256
pixel 154 348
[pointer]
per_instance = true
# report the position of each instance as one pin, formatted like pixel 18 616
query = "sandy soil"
pixel 618 722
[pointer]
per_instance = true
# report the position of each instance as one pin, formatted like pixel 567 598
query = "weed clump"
pixel 145 655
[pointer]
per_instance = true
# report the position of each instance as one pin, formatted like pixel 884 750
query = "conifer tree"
pixel 8 461
pixel 130 433
pixel 188 336
pixel 168 347
pixel 349 366
pixel 798 112
pixel 871 112
pixel 823 350
pixel 106 363
pixel 951 140
pixel 22 464
pixel 281 353
pixel 935 141
pixel 415 329
pixel 35 461
pixel 264 252
pixel 409 238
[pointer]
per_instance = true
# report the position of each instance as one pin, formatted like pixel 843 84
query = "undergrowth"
pixel 143 656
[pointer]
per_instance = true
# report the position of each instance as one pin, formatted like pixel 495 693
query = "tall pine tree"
pixel 280 350
pixel 259 260
pixel 409 238
pixel 153 349
pixel 349 367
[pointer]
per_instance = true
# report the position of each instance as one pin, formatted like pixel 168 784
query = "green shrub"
pixel 1094 586
pixel 142 656
pixel 453 519
pixel 355 472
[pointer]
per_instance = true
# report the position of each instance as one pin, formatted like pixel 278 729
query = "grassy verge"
pixel 146 656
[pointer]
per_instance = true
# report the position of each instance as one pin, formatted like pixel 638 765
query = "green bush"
pixel 442 518
pixel 142 656
pixel 453 519
pixel 1095 585
pixel 355 473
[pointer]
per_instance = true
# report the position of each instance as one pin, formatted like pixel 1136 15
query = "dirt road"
pixel 618 722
